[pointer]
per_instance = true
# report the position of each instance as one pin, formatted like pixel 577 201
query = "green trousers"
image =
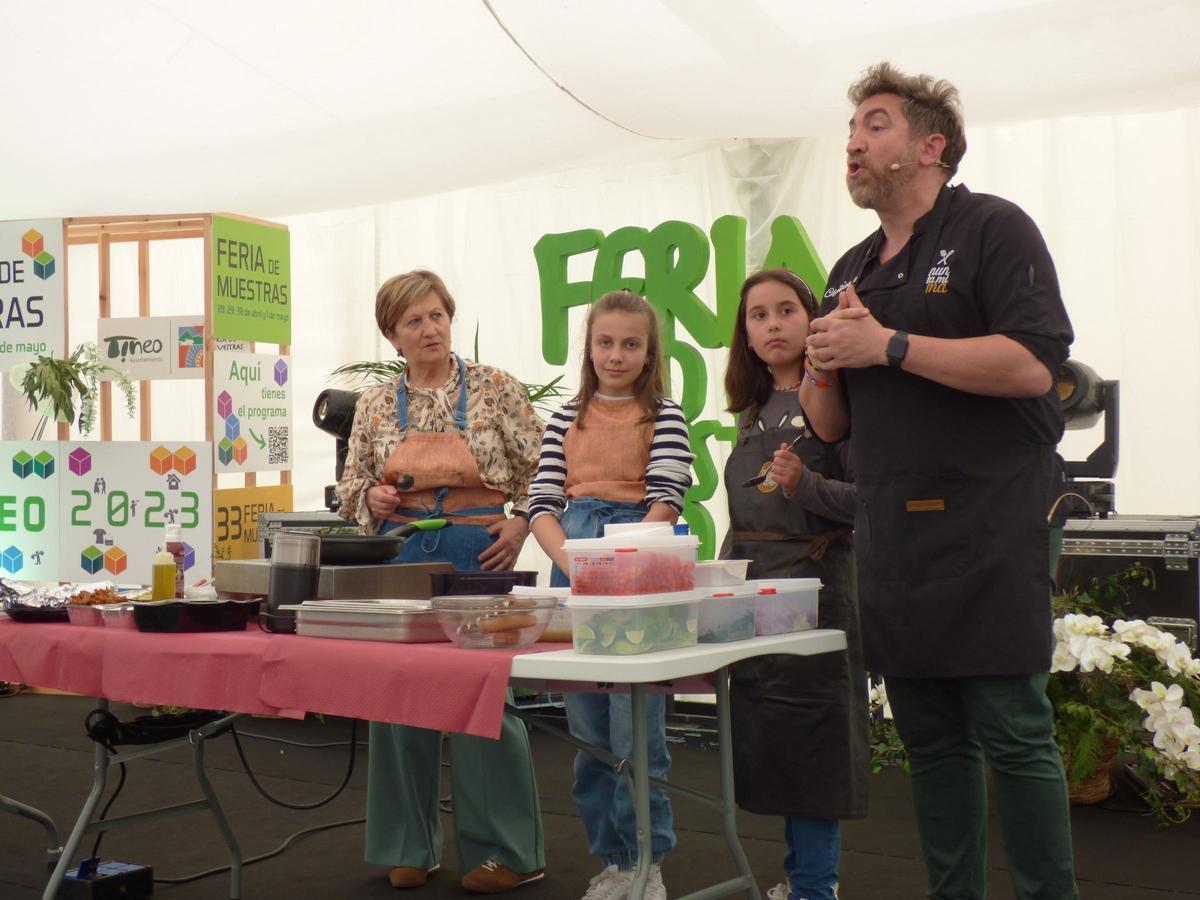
pixel 949 727
pixel 496 810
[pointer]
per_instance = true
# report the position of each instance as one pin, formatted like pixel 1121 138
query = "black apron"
pixel 950 532
pixel 799 722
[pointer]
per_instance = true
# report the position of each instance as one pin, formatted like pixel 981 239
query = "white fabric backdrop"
pixel 1121 222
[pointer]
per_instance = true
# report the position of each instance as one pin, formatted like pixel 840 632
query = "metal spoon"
pixel 759 479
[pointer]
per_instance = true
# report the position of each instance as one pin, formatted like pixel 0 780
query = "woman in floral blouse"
pixel 424 447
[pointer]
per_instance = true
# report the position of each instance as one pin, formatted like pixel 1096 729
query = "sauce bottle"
pixel 175 548
pixel 162 583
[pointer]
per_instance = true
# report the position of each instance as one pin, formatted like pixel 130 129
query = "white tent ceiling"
pixel 287 106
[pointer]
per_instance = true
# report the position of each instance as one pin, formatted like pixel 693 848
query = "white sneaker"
pixel 779 892
pixel 610 884
pixel 655 890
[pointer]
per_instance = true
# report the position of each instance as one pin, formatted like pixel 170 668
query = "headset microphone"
pixel 896 167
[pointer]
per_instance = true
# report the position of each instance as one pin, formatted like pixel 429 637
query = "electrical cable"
pixel 102 727
pixel 278 740
pixel 288 841
pixel 298 806
pixel 562 87
pixel 11 689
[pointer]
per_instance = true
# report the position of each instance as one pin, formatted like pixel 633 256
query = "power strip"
pixel 111 881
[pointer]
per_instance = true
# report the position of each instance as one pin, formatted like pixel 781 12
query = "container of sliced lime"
pixel 627 625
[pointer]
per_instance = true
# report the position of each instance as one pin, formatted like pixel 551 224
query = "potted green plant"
pixel 1117 686
pixel 55 386
pixel 1123 686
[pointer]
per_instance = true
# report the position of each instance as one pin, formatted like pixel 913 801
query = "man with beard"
pixel 934 354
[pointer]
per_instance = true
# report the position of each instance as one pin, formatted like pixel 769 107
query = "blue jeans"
pixel 459 545
pixel 606 720
pixel 814 846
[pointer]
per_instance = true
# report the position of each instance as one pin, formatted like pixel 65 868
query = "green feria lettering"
pixel 675 257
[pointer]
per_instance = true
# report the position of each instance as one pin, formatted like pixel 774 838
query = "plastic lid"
pixel 632 601
pixel 788 584
pixel 767 590
pixel 162 557
pixel 613 528
pixel 174 534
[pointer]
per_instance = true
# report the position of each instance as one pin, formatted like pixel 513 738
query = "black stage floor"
pixel 45 761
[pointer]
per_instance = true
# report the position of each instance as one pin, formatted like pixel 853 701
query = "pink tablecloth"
pixel 436 686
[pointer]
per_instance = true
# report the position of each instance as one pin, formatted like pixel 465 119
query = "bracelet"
pixel 829 380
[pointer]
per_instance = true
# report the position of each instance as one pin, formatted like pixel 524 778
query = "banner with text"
pixel 252 412
pixel 32 298
pixel 29 510
pixel 251 281
pixel 236 517
pixel 97 510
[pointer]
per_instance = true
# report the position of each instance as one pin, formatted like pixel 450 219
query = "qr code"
pixel 277 444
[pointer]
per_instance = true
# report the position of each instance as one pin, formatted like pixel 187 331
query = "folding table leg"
pixel 728 805
pixel 99 776
pixel 54 845
pixel 214 806
pixel 641 791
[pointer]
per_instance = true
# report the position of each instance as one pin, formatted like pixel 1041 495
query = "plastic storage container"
pixel 727 615
pixel 624 625
pixel 559 628
pixel 785 604
pixel 632 563
pixel 721 572
pixel 493 622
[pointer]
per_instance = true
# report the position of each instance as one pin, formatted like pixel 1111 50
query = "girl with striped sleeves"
pixel 617 452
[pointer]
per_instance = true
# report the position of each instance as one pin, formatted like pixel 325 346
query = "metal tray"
pixel 398 621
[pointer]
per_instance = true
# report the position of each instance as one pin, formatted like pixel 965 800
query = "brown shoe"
pixel 494 878
pixel 409 876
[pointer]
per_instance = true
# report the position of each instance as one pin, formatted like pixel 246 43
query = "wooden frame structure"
pixel 104 231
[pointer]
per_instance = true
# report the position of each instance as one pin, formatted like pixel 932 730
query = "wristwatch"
pixel 897 349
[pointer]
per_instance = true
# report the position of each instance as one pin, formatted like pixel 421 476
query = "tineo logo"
pixel 124 346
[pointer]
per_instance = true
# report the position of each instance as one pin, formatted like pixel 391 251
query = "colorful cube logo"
pixel 189 556
pixel 32 242
pixel 232 427
pixel 160 460
pixel 11 560
pixel 43 265
pixel 22 464
pixel 92 560
pixel 80 461
pixel 240 449
pixel 184 460
pixel 224 404
pixel 43 464
pixel 115 560
pixel 281 373
pixel 225 451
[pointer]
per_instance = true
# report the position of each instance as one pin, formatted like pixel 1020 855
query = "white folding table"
pixel 636 672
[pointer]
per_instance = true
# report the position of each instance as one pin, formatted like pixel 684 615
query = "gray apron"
pixel 951 533
pixel 799 722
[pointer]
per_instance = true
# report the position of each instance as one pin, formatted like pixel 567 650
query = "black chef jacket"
pixel 950 530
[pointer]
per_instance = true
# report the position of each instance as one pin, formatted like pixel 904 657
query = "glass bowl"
pixel 493 622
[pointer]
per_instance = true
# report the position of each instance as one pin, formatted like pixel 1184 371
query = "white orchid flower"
pixel 1098 653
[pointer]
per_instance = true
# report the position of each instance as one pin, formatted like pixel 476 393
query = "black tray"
pixel 358 549
pixel 19 612
pixel 448 584
pixel 194 615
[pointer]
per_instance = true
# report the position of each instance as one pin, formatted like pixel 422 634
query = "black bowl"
pixel 359 549
pixel 19 612
pixel 451 584
pixel 194 615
